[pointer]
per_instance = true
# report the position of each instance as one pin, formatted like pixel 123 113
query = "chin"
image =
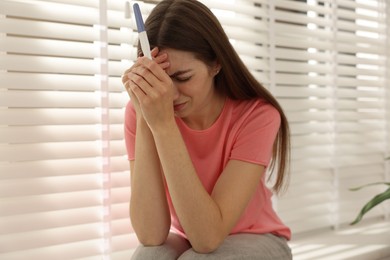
pixel 178 114
pixel 181 113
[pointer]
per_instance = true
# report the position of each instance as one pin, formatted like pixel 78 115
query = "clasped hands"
pixel 151 89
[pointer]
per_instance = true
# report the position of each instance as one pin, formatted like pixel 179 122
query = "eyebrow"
pixel 180 72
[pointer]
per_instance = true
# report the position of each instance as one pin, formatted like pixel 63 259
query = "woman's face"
pixel 193 80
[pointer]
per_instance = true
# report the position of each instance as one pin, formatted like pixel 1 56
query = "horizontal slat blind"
pixel 245 23
pixel 387 164
pixel 304 86
pixel 330 66
pixel 50 150
pixel 122 40
pixel 64 174
pixel 359 153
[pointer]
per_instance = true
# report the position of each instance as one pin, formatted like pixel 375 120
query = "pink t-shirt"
pixel 244 131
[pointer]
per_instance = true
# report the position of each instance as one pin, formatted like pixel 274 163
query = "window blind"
pixel 360 116
pixel 64 174
pixel 50 149
pixel 330 74
pixel 121 41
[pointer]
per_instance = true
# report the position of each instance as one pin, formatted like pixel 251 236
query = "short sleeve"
pixel 130 129
pixel 256 136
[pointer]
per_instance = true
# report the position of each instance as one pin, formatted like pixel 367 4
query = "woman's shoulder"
pixel 253 108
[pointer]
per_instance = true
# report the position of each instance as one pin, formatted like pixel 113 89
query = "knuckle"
pixel 139 71
pixel 144 70
pixel 137 80
pixel 152 65
pixel 132 87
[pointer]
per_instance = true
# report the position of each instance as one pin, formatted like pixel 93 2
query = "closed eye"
pixel 181 75
pixel 182 79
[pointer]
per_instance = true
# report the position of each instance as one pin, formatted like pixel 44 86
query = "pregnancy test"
pixel 143 37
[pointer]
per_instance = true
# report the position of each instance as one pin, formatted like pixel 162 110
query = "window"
pixel 64 180
pixel 330 76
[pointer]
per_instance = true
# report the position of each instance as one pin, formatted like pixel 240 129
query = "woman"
pixel 200 133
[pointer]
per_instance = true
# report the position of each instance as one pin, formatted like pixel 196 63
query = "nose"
pixel 176 92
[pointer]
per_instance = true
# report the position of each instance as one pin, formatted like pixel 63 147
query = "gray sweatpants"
pixel 238 246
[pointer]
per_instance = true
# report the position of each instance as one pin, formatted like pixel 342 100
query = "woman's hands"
pixel 151 89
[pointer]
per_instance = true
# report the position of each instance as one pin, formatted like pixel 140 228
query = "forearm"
pixel 149 211
pixel 198 213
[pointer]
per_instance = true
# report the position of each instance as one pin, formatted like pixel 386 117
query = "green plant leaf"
pixel 372 203
pixel 370 184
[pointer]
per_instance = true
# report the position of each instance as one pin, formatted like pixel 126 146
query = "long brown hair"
pixel 190 26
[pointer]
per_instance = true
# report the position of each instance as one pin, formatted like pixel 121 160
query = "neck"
pixel 206 116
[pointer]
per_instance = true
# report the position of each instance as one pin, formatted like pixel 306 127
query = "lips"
pixel 178 107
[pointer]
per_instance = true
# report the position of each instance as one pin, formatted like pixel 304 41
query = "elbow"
pixel 207 246
pixel 204 249
pixel 152 240
pixel 150 232
pixel 151 236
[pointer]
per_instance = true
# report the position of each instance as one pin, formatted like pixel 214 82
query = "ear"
pixel 216 68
